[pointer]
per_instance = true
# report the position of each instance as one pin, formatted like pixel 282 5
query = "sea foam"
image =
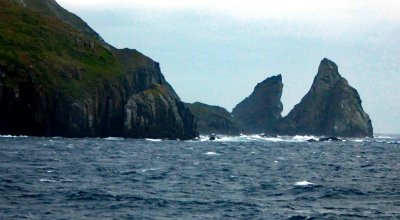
pixel 153 140
pixel 303 183
pixel 211 153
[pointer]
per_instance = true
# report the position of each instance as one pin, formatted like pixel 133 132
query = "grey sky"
pixel 217 52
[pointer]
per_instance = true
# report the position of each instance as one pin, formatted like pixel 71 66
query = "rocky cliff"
pixel 59 78
pixel 331 108
pixel 262 109
pixel 213 119
pixel 51 9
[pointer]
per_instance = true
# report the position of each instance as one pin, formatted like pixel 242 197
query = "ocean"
pixel 246 177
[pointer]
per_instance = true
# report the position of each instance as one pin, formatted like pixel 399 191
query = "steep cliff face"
pixel 262 109
pixel 156 112
pixel 213 119
pixel 331 108
pixel 59 80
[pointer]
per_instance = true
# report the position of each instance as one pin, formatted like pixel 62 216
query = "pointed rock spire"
pixel 331 108
pixel 262 109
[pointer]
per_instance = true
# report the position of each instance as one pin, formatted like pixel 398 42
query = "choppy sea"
pixel 246 177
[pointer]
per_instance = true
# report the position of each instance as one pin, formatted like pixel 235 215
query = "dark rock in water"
pixel 331 108
pixel 262 109
pixel 213 119
pixel 269 135
pixel 330 139
pixel 212 137
pixel 60 79
pixel 312 140
pixel 325 139
pixel 299 217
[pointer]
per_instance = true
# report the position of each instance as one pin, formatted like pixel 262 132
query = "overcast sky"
pixel 217 51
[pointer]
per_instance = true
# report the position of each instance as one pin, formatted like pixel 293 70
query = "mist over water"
pixel 246 177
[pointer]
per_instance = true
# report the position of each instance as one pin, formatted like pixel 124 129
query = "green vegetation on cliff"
pixel 59 78
pixel 55 53
pixel 50 8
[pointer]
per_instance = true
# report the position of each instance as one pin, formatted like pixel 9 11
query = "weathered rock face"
pixel 155 112
pixel 262 109
pixel 213 119
pixel 331 108
pixel 59 80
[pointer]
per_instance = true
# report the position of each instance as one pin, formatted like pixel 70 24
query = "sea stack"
pixel 331 108
pixel 262 109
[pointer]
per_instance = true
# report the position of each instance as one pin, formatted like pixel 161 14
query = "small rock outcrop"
pixel 331 108
pixel 213 119
pixel 262 109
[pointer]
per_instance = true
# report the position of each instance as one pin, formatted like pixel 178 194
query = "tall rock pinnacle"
pixel 331 108
pixel 262 109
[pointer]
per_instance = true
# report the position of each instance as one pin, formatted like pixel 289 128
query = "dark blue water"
pixel 233 178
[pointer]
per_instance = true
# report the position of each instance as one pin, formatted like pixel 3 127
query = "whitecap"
pixel 203 138
pixel 13 136
pixel 274 139
pixel 67 180
pixel 303 183
pixel 222 138
pixel 358 140
pixel 150 169
pixel 261 137
pixel 153 140
pixel 299 138
pixel 47 181
pixel 211 153
pixel 383 136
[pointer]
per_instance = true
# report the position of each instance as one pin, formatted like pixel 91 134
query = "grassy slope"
pixel 53 52
pixel 51 8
